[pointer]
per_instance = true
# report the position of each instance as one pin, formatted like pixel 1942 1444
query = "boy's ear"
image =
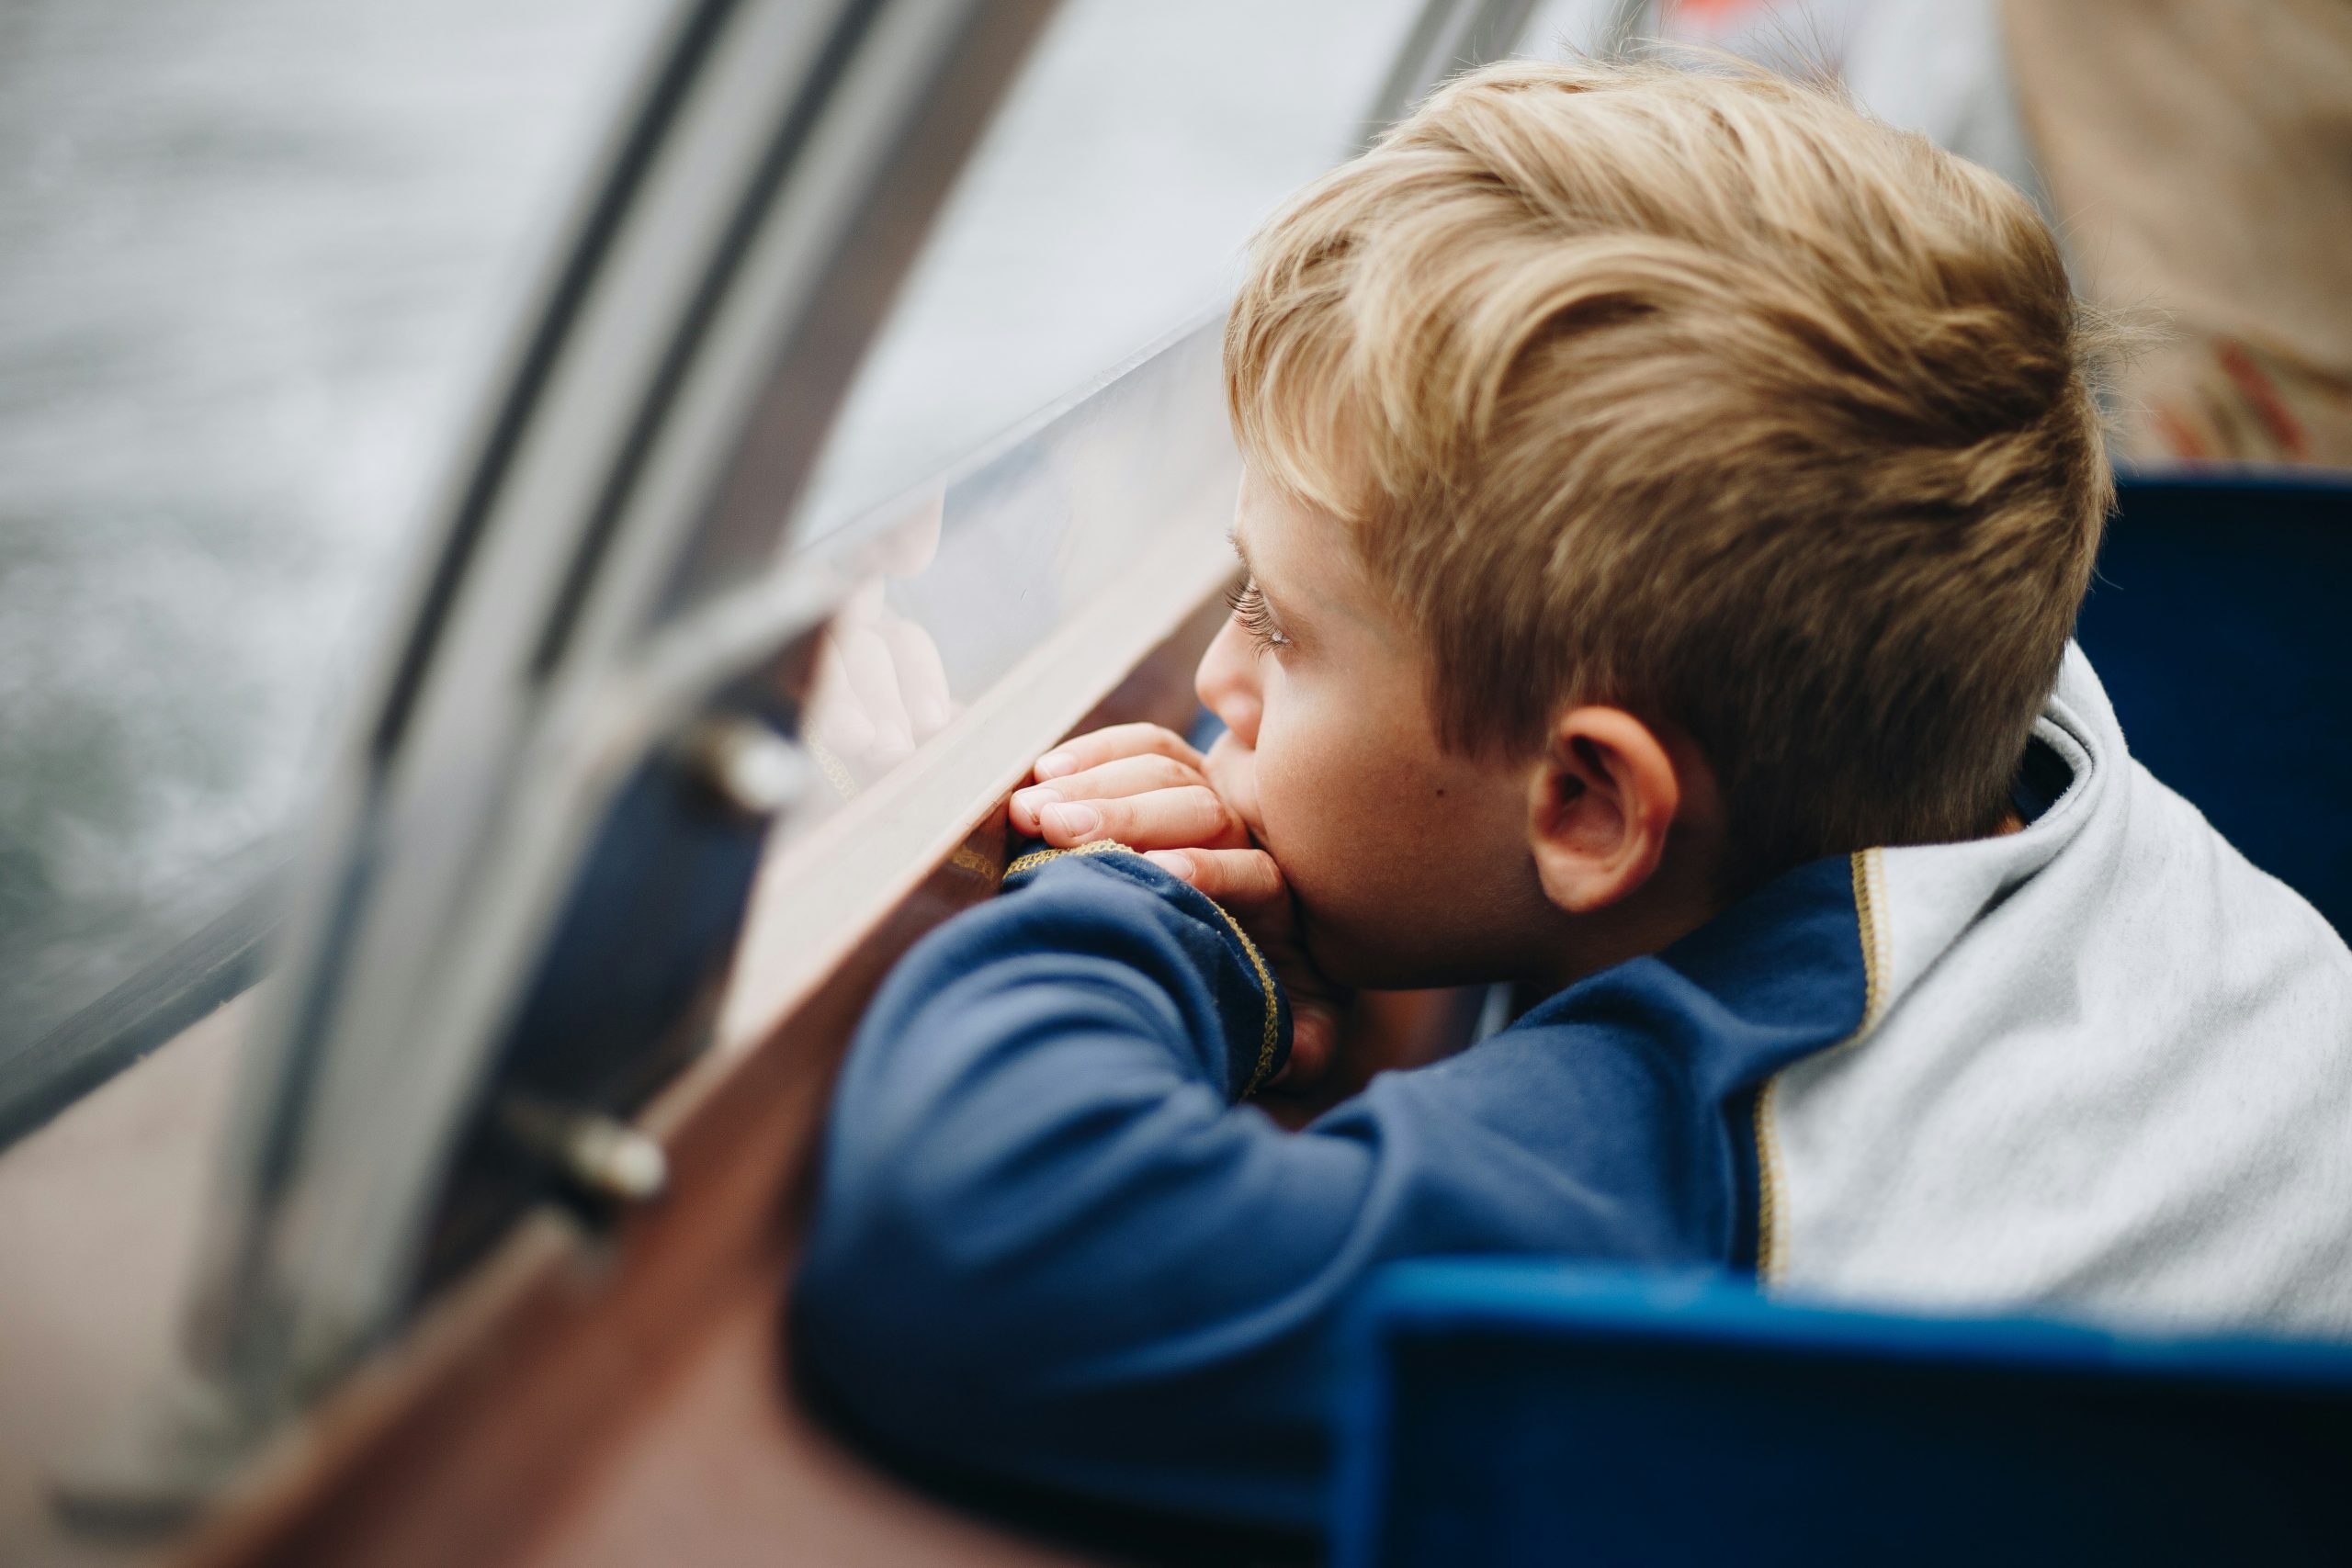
pixel 1601 805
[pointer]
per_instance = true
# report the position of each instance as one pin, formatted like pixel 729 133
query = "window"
pixel 1107 204
pixel 256 257
pixel 1104 208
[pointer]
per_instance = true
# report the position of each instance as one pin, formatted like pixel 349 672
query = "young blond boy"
pixel 1668 497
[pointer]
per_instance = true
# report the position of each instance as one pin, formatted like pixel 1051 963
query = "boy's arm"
pixel 1051 1246
pixel 1147 787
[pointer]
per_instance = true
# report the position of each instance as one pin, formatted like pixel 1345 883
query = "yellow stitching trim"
pixel 836 773
pixel 967 858
pixel 1037 858
pixel 1270 1037
pixel 1768 1161
pixel 1870 911
pixel 1869 906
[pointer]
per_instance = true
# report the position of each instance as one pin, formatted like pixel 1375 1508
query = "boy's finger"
pixel 1163 819
pixel 1098 747
pixel 923 677
pixel 1314 1042
pixel 835 720
pixel 1243 878
pixel 873 680
pixel 1112 781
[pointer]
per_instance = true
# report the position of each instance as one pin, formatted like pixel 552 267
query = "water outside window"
pixel 256 257
pixel 257 260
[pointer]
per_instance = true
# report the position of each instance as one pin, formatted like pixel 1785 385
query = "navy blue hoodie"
pixel 1056 1243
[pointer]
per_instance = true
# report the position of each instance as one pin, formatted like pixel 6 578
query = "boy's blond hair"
pixel 1699 392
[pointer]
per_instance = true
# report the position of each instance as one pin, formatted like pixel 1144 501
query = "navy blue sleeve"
pixel 1053 1241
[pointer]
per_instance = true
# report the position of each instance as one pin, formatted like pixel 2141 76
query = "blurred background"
pixel 255 258
pixel 259 260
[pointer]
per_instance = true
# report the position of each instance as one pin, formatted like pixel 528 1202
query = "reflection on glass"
pixel 957 584
pixel 1025 588
pixel 880 687
pixel 255 258
pixel 1108 202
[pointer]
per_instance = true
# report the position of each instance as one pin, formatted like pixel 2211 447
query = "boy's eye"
pixel 1250 612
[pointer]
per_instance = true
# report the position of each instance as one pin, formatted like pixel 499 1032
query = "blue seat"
pixel 1515 1412
pixel 2220 625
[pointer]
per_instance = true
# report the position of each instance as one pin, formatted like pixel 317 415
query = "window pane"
pixel 256 258
pixel 1107 204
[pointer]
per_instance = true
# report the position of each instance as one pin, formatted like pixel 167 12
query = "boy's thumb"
pixel 1314 1040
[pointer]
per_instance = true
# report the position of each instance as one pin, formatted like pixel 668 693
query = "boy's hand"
pixel 879 689
pixel 1144 786
pixel 1135 784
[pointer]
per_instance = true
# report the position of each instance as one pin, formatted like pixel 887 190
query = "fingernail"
pixel 1054 764
pixel 1175 863
pixel 1072 821
pixel 1034 800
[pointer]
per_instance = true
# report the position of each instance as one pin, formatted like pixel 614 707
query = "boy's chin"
pixel 1384 960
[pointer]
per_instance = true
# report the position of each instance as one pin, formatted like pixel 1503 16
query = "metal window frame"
pixel 776 173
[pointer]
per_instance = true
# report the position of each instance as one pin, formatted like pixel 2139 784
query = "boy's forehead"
pixel 1265 524
pixel 1268 522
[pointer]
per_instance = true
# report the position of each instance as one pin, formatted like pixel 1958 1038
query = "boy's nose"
pixel 1227 683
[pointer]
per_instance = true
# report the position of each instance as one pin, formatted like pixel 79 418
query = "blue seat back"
pixel 1513 1412
pixel 2220 622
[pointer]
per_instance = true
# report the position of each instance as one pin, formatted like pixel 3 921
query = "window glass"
pixel 1105 207
pixel 257 260
pixel 1107 203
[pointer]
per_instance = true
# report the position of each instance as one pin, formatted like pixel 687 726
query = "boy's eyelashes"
pixel 1254 617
